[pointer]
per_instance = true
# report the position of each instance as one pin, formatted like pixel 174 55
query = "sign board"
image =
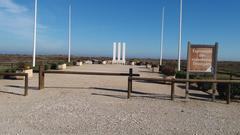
pixel 202 58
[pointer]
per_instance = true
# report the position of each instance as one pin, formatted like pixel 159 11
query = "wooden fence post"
pixel 41 77
pixel 26 85
pixel 214 92
pixel 172 89
pixel 130 82
pixel 228 98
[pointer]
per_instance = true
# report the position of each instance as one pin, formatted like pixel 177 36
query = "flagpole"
pixel 35 34
pixel 161 50
pixel 180 37
pixel 69 32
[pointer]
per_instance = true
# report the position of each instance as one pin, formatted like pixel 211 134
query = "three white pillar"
pixel 120 48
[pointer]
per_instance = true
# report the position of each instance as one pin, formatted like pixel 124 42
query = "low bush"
pixel 23 66
pixel 54 66
pixel 60 63
pixel 70 63
pixel 222 89
pixel 203 85
pixel 154 65
pixel 168 71
pixel 74 63
pixel 181 75
pixel 47 67
pixel 13 70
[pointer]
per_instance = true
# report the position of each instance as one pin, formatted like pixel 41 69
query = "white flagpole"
pixel 163 17
pixel 180 38
pixel 35 34
pixel 69 32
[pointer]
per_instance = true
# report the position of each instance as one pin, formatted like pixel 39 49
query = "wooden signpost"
pixel 202 59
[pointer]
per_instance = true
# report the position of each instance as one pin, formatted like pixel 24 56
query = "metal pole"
pixel 161 55
pixel 180 37
pixel 69 32
pixel 35 34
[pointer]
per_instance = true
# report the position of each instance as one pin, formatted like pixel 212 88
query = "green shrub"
pixel 74 63
pixel 70 64
pixel 60 63
pixel 181 75
pixel 47 67
pixel 204 85
pixel 11 70
pixel 168 71
pixel 222 88
pixel 23 66
pixel 36 69
pixel 54 66
pixel 154 65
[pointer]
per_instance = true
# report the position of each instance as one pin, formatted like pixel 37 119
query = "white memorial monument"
pixel 120 49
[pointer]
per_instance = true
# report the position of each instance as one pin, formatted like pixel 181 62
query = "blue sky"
pixel 96 24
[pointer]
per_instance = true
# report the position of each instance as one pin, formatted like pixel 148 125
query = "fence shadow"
pixel 11 93
pixel 22 87
pixel 138 94
pixel 54 87
pixel 108 95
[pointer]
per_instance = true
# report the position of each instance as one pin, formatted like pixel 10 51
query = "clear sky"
pixel 96 24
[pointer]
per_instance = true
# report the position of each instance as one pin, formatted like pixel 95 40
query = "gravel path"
pixel 75 104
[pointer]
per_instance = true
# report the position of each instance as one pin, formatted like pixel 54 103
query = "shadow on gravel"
pixel 12 93
pixel 107 95
pixel 200 95
pixel 138 94
pixel 49 87
pixel 124 91
pixel 22 87
pixel 15 86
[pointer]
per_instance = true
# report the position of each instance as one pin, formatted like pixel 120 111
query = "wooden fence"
pixel 42 73
pixel 173 81
pixel 19 74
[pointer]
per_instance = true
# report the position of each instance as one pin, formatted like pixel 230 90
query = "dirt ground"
pixel 78 104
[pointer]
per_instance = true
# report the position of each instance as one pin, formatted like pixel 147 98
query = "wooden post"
pixel 173 89
pixel 228 98
pixel 130 82
pixel 215 72
pixel 41 77
pixel 26 85
pixel 131 75
pixel 188 66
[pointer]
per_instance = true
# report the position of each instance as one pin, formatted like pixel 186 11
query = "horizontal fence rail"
pixel 19 74
pixel 89 73
pixel 173 81
pixel 42 73
pixel 185 80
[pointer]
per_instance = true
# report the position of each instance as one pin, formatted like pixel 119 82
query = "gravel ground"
pixel 76 104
